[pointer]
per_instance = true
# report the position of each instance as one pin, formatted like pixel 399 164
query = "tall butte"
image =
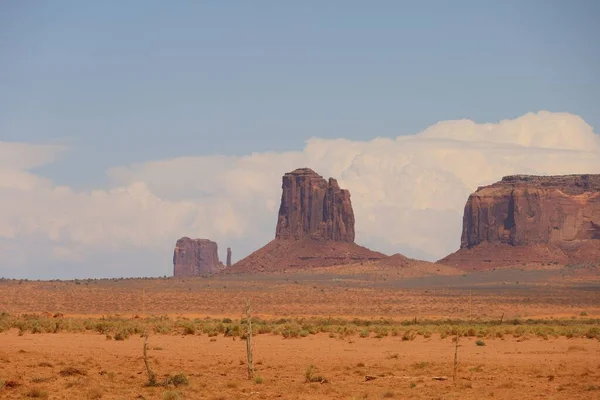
pixel 531 219
pixel 315 227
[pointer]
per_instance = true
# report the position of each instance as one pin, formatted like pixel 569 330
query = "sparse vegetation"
pixel 480 343
pixel 121 328
pixel 258 379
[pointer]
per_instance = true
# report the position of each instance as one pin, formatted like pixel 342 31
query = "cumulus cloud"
pixel 408 195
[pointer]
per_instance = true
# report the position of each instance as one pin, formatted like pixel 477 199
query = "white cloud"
pixel 408 195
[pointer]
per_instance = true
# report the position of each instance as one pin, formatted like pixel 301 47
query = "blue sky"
pixel 106 97
pixel 123 82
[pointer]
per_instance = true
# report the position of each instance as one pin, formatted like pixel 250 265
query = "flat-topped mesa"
pixel 195 257
pixel 314 208
pixel 523 210
pixel 531 219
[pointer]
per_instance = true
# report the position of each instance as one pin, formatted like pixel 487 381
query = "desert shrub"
pixel 121 335
pixel 409 335
pixel 593 332
pixel 381 331
pixel 480 343
pixel 189 329
pixel 226 320
pixel 291 331
pixel 177 380
pixel 310 375
pixel 365 333
pixel 258 379
pixel 163 328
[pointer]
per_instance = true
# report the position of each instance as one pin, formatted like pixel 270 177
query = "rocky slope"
pixel 315 227
pixel 526 218
pixel 194 257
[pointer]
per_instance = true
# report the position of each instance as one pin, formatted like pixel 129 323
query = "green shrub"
pixel 480 343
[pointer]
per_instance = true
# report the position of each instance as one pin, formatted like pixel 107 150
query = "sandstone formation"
pixel 194 257
pixel 314 208
pixel 315 228
pixel 526 218
pixel 228 264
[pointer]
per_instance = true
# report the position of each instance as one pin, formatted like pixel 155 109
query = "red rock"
pixel 194 257
pixel 525 219
pixel 315 228
pixel 314 208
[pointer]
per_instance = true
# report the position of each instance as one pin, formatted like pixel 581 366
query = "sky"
pixel 126 125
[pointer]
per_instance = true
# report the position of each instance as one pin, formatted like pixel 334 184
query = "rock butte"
pixel 528 219
pixel 315 227
pixel 194 257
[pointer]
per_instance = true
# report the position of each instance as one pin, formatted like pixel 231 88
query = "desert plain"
pixel 353 332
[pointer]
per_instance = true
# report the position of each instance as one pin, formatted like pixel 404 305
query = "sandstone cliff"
pixel 314 208
pixel 532 219
pixel 194 257
pixel 315 228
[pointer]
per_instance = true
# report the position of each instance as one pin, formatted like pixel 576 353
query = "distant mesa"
pixel 531 219
pixel 315 227
pixel 195 257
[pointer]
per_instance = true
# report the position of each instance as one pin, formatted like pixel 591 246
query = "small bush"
pixel 189 330
pixel 480 343
pixel 177 380
pixel 409 335
pixel 258 379
pixel 311 377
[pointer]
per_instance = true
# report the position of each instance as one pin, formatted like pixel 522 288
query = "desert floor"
pixel 68 365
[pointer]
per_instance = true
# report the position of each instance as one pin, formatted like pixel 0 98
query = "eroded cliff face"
pixel 531 219
pixel 524 210
pixel 315 228
pixel 314 208
pixel 195 257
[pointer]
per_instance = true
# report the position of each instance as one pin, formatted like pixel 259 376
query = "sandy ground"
pixel 502 369
pixel 512 293
pixel 509 368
